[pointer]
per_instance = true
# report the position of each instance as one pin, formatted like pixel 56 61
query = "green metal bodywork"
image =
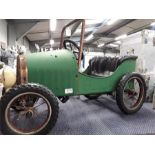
pixel 58 70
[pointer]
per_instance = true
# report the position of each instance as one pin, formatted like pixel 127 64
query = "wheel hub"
pixel 29 114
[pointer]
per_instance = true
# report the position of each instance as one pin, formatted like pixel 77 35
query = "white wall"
pixel 3 31
pixel 146 52
pixel 11 35
pixel 12 38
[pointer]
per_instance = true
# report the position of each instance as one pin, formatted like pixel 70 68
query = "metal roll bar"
pixel 81 37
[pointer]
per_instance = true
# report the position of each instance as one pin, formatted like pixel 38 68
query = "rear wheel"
pixel 28 109
pixel 130 93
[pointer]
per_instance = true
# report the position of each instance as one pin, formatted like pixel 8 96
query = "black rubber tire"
pixel 120 91
pixel 92 97
pixel 19 89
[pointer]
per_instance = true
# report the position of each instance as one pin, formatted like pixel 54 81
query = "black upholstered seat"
pixel 99 65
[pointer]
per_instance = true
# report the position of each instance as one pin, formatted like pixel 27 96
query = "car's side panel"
pixel 56 70
pixel 92 84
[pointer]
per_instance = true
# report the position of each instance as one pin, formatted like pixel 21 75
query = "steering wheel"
pixel 71 45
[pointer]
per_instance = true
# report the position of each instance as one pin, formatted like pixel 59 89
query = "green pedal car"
pixel 29 104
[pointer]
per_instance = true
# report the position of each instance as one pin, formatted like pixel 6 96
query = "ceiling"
pixel 40 33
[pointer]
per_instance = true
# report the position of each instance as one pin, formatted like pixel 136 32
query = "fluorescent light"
pixel 100 45
pixel 53 23
pixel 93 21
pixel 51 41
pixel 113 45
pixel 111 21
pixel 89 37
pixel 153 24
pixel 118 42
pixel 86 30
pixel 121 37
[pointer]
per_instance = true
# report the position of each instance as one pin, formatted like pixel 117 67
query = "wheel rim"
pixel 133 93
pixel 28 113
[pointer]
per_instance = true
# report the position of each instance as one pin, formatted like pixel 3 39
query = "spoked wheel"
pixel 130 93
pixel 28 112
pixel 28 109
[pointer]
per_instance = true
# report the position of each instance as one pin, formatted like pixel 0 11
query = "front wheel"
pixel 130 93
pixel 28 109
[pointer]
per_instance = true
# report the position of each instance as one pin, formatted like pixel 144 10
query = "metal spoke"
pixel 36 100
pixel 39 105
pixel 38 114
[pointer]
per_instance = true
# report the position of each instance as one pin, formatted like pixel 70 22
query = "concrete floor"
pixel 80 116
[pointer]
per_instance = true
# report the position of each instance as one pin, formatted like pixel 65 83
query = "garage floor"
pixel 80 116
pixel 102 116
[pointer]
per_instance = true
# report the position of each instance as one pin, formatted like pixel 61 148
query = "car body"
pixel 58 70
